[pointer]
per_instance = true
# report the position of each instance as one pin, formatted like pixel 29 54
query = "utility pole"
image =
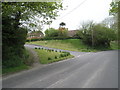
pixel 92 38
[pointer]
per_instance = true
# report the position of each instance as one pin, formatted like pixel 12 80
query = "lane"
pixel 38 74
pixel 86 70
pixel 72 52
pixel 102 73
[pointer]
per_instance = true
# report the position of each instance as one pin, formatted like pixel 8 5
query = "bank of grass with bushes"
pixel 48 56
pixel 74 45
pixel 14 69
pixel 26 62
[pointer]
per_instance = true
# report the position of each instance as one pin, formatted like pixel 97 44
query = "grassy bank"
pixel 14 69
pixel 28 61
pixel 49 56
pixel 72 45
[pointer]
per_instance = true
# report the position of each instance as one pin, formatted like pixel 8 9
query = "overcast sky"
pixel 82 11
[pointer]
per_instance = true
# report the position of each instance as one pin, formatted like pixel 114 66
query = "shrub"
pixel 49 50
pixel 52 33
pixel 61 55
pixel 49 58
pixel 98 35
pixel 63 52
pixel 67 53
pixel 55 57
pixel 14 60
pixel 35 47
pixel 52 50
pixel 34 39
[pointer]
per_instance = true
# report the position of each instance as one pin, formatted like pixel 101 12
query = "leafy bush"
pixel 49 58
pixel 34 39
pixel 97 35
pixel 15 59
pixel 68 53
pixel 52 50
pixel 51 32
pixel 55 34
pixel 65 54
pixel 35 47
pixel 49 50
pixel 61 55
pixel 13 62
pixel 55 57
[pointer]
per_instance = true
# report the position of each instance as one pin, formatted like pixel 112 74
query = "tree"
pixel 16 16
pixel 62 33
pixel 51 32
pixel 110 22
pixel 114 8
pixel 97 35
pixel 62 24
pixel 103 35
pixel 115 12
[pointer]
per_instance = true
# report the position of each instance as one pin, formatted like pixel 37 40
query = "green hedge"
pixel 51 38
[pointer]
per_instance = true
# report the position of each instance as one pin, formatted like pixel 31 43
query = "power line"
pixel 73 9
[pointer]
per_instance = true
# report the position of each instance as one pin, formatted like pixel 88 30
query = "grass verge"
pixel 46 56
pixel 14 69
pixel 73 45
pixel 27 63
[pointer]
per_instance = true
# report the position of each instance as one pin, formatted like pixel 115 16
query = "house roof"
pixel 72 32
pixel 36 33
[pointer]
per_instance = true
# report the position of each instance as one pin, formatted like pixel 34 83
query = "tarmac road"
pixel 85 70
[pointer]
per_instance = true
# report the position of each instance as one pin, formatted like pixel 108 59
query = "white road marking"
pixel 83 54
pixel 51 86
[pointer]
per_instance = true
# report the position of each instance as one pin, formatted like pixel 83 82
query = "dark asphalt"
pixel 86 70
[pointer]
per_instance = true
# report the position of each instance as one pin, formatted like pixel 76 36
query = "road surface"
pixel 85 70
